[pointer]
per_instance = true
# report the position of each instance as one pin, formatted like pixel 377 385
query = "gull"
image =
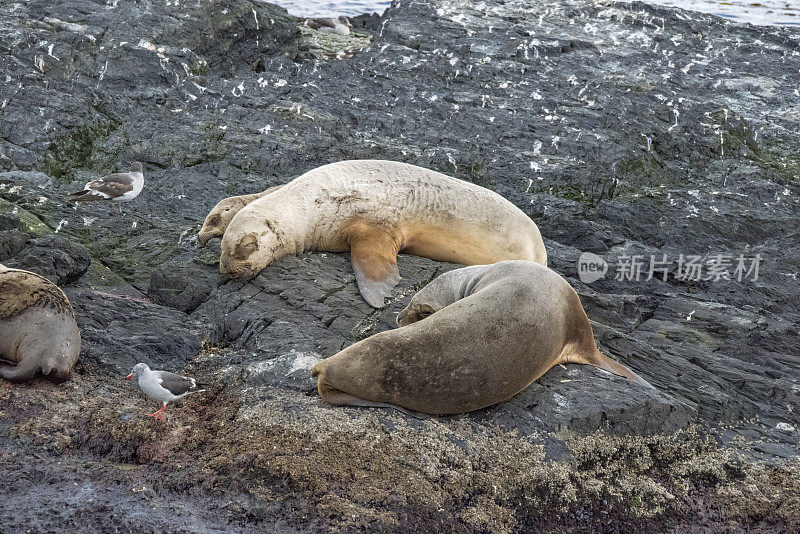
pixel 162 386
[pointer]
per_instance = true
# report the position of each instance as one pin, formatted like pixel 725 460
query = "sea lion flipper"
pixel 337 397
pixel 598 359
pixel 375 291
pixel 374 257
pixel 19 373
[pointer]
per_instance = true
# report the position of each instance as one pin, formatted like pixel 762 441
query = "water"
pixel 351 8
pixel 764 12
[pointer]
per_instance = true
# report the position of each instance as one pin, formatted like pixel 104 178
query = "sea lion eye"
pixel 245 247
pixel 423 312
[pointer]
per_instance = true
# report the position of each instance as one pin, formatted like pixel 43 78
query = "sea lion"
pixel 220 216
pixel 37 328
pixel 473 337
pixel 376 209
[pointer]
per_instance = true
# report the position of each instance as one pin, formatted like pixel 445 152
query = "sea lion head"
pixel 440 293
pixel 58 367
pixel 414 312
pixel 245 252
pixel 429 300
pixel 219 218
pixel 257 235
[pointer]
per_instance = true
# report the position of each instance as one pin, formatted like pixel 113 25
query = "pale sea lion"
pixel 376 209
pixel 37 328
pixel 220 216
pixel 473 337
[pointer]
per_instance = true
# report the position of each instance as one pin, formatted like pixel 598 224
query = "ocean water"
pixel 763 12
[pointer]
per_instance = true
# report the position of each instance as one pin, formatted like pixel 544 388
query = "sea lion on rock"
pixel 473 337
pixel 376 209
pixel 37 328
pixel 220 216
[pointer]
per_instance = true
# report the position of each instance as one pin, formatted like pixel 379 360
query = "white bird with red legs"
pixel 162 386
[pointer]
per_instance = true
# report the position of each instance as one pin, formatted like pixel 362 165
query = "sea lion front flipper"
pixel 375 291
pixel 374 257
pixel 20 372
pixel 336 397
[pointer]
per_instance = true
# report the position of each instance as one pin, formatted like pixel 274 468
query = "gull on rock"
pixel 340 25
pixel 118 187
pixel 162 386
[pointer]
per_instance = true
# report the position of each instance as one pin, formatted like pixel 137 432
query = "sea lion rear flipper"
pixel 604 362
pixel 374 258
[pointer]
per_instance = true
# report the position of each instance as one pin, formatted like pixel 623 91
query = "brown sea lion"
pixel 37 328
pixel 471 338
pixel 376 209
pixel 220 216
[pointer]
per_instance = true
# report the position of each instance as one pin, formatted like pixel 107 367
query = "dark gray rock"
pixel 11 243
pixel 118 332
pixel 183 283
pixel 54 257
pixel 39 179
pixel 9 221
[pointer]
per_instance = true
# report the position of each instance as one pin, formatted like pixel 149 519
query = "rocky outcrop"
pixel 622 129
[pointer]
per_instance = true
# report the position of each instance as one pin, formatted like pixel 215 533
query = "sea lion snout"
pixel 210 229
pixel 235 269
pixel 234 259
pixel 58 376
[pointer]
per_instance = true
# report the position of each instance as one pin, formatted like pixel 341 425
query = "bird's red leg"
pixel 157 414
